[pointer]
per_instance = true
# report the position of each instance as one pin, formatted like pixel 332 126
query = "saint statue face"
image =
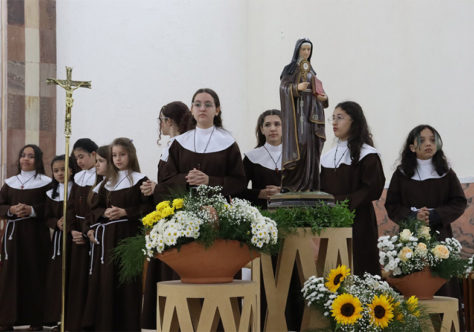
pixel 305 51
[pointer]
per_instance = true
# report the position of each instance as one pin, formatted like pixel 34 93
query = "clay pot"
pixel 217 264
pixel 422 284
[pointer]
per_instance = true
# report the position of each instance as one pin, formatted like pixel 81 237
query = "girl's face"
pixel 84 159
pixel 426 148
pixel 120 157
pixel 165 124
pixel 305 51
pixel 101 165
pixel 27 159
pixel 58 170
pixel 341 124
pixel 204 110
pixel 271 128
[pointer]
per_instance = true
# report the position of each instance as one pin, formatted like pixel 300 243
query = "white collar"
pixel 342 155
pixel 166 150
pixel 124 180
pixel 221 139
pixel 261 156
pixel 85 177
pixel 60 191
pixel 28 180
pixel 425 170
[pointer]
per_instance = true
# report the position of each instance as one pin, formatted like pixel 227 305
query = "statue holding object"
pixel 302 105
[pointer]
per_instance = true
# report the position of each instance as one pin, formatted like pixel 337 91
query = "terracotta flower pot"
pixel 422 284
pixel 216 264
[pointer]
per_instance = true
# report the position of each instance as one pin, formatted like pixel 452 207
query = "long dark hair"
pixel 291 67
pixel 258 132
pixel 409 163
pixel 217 118
pixel 179 113
pixel 39 166
pixel 104 152
pixel 85 144
pixel 359 132
pixel 133 165
pixel 55 183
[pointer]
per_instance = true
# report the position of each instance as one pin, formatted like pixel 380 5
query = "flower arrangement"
pixel 206 216
pixel 353 303
pixel 416 248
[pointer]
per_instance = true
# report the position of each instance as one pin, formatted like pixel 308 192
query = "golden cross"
pixel 69 85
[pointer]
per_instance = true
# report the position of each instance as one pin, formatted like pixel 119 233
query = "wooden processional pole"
pixel 68 85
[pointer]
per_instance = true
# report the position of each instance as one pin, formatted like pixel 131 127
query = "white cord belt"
pixel 57 243
pixel 5 236
pixel 98 227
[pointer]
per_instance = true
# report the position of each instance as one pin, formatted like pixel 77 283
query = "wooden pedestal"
pixel 198 307
pixel 335 248
pixel 448 307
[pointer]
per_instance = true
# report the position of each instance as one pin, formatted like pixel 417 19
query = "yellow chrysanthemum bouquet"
pixel 353 303
pixel 205 216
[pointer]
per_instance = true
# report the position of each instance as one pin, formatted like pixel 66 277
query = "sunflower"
pixel 381 311
pixel 336 277
pixel 346 309
pixel 412 306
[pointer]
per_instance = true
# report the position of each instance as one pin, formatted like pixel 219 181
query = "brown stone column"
pixel 29 48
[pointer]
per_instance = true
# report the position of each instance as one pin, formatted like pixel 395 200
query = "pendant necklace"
pixel 23 183
pixel 208 141
pixel 275 162
pixel 337 163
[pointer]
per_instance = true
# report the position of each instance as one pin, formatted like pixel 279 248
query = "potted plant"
pixel 202 236
pixel 416 263
pixel 353 303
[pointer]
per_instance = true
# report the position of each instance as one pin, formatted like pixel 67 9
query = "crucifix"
pixel 69 85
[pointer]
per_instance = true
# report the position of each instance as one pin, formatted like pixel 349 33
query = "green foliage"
pixel 128 255
pixel 317 218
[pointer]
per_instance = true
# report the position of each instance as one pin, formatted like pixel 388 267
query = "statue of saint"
pixel 302 105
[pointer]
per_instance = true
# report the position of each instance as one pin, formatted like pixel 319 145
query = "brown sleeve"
pixel 393 203
pixel 371 183
pixel 454 207
pixel 4 201
pixel 50 218
pixel 234 181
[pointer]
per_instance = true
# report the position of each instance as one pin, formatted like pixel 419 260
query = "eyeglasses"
pixel 198 104
pixel 336 119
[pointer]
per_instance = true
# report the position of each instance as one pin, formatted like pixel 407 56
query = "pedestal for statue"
pixel 335 248
pixel 299 199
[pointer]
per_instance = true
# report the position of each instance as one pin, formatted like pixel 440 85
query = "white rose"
pixel 405 254
pixel 440 251
pixel 405 235
pixel 424 232
pixel 421 249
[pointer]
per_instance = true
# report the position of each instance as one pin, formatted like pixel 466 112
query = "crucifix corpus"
pixel 69 85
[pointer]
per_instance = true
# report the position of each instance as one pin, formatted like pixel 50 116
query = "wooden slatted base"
pixel 199 307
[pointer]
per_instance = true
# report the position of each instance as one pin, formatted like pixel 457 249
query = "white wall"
pixel 406 62
pixel 142 54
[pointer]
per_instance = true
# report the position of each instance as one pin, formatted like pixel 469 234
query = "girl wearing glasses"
pixel 352 170
pixel 425 187
pixel 175 119
pixel 206 155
